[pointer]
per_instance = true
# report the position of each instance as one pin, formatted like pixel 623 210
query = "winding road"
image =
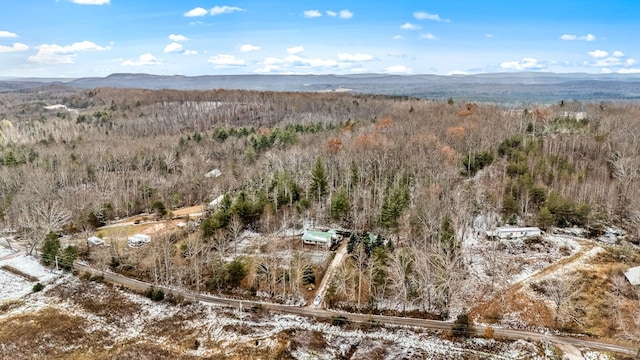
pixel 138 285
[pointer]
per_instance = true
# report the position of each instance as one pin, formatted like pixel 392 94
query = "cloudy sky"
pixel 78 38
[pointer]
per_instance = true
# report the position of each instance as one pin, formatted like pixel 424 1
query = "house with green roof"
pixel 324 238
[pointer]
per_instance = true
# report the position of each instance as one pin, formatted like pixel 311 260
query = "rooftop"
pixel 633 275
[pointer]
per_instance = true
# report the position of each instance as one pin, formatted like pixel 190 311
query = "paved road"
pixel 389 320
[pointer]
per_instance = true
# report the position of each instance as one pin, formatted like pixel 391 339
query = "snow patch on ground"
pixel 592 355
pixel 13 286
pixel 31 266
pixel 5 251
pixel 611 235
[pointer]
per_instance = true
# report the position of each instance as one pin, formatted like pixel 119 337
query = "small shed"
pixel 324 238
pixel 633 275
pixel 95 241
pixel 514 232
pixel 138 240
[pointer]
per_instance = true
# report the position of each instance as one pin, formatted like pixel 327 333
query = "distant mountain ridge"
pixel 488 87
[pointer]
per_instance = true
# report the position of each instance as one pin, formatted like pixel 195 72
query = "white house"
pixel 138 240
pixel 215 202
pixel 633 275
pixel 514 232
pixel 95 241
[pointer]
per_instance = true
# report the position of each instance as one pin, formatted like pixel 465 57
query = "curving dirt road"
pixel 389 320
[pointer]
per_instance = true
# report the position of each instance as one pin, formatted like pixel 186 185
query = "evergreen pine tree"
pixel 340 206
pixel 447 236
pixel 50 249
pixel 67 257
pixel 319 183
pixel 462 327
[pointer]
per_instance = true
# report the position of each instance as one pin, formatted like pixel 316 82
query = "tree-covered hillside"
pixel 417 173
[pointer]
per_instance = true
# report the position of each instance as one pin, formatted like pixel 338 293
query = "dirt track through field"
pixel 341 252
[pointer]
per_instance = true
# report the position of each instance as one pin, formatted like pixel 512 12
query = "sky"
pixel 84 38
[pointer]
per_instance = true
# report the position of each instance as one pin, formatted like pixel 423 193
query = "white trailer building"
pixel 514 232
pixel 138 240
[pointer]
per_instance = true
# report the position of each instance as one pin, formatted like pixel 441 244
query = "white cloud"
pixel 7 34
pixel 354 57
pixel 225 61
pixel 56 54
pixel 217 10
pixel 488 35
pixel 296 64
pixel 609 62
pixel 524 64
pixel 91 2
pixel 312 13
pixel 191 52
pixel 629 71
pixel 422 15
pixel 398 69
pixel 458 72
pixel 249 48
pixel 272 61
pixel 332 13
pixel 267 69
pixel 143 60
pixel 571 37
pixel 345 14
pixel 177 38
pixel 196 12
pixel 295 50
pixel 13 48
pixel 173 47
pixel 598 54
pixel 398 37
pixel 612 62
pixel 298 61
pixel 409 26
pixel 428 36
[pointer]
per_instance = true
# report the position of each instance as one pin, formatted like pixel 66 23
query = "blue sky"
pixel 78 38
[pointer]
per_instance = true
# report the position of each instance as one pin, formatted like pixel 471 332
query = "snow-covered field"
pixel 13 286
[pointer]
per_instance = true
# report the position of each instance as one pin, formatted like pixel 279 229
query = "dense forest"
pixel 422 175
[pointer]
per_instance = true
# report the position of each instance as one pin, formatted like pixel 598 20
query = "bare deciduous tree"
pixel 561 290
pixel 401 275
pixel 235 228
